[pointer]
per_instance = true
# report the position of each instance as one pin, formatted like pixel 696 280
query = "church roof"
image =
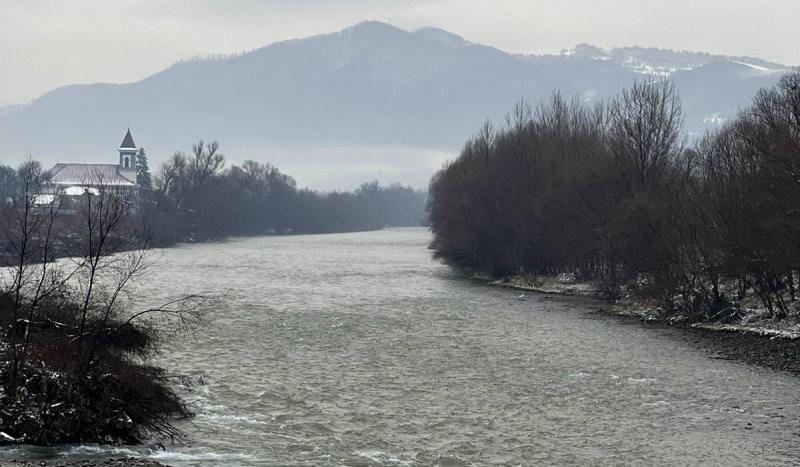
pixel 88 174
pixel 127 142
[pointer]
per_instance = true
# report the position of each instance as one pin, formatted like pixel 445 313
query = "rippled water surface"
pixel 359 349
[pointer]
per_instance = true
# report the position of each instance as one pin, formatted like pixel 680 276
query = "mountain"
pixel 371 101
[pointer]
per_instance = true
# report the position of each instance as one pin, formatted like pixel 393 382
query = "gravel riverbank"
pixel 772 345
pixel 778 353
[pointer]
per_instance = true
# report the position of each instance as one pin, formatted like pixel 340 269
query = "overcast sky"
pixel 48 43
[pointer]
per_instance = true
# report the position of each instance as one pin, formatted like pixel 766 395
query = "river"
pixel 360 349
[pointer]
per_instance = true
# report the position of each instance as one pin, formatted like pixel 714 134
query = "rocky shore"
pixel 764 343
pixel 775 352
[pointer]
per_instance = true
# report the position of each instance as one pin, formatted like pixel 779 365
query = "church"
pixel 77 179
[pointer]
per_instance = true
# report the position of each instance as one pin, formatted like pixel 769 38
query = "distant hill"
pixel 371 101
pixel 7 109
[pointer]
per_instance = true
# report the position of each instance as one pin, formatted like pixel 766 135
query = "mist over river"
pixel 360 349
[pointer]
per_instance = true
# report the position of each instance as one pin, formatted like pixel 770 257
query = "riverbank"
pixel 772 344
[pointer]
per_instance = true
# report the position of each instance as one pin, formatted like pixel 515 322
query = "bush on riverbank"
pixel 60 397
pixel 610 192
pixel 74 350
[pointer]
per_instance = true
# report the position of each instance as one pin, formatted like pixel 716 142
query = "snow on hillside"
pixel 664 62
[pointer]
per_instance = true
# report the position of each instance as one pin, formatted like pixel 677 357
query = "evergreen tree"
pixel 9 183
pixel 143 177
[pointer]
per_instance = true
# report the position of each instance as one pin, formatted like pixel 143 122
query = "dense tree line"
pixel 195 197
pixel 612 192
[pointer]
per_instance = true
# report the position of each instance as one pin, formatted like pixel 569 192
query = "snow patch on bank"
pixel 567 284
pixel 563 284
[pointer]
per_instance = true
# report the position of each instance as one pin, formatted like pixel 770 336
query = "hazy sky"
pixel 48 43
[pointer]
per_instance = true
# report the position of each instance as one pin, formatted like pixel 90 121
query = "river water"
pixel 359 349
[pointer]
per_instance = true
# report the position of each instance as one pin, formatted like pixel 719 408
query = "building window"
pixel 127 163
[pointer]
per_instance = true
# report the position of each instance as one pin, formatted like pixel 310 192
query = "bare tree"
pixel 30 237
pixel 645 132
pixel 207 162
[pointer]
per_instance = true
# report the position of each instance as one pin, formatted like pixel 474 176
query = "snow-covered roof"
pixel 88 174
pixel 80 190
pixel 43 199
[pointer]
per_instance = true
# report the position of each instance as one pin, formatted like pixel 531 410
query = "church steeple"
pixel 127 142
pixel 127 152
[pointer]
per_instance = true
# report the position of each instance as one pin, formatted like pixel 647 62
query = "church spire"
pixel 127 142
pixel 127 154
